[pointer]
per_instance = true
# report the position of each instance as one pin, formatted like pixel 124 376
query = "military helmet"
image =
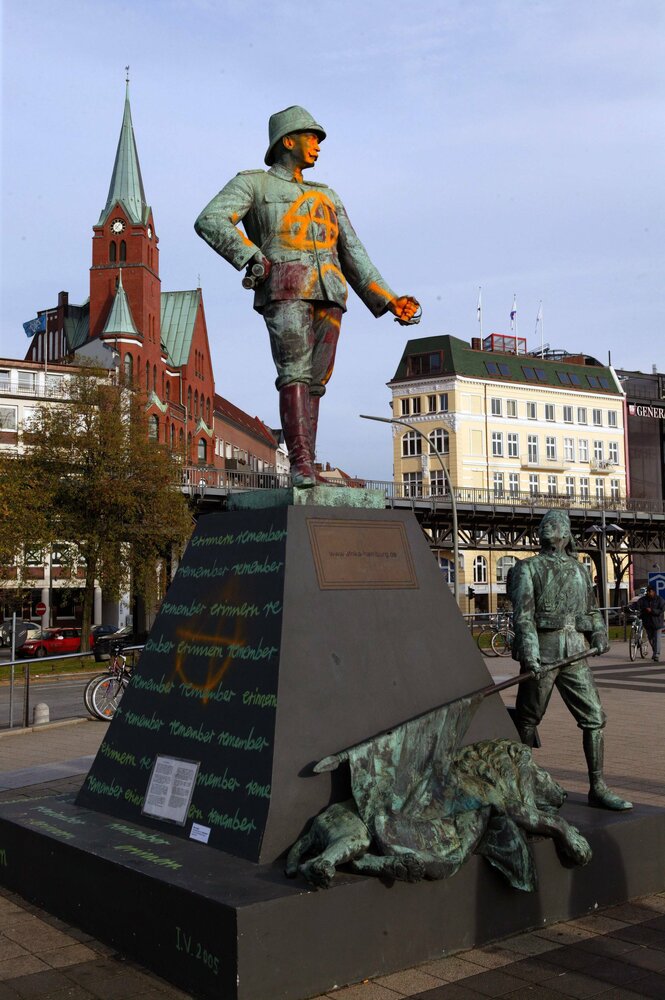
pixel 293 119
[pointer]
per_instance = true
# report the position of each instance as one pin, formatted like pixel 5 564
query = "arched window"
pixel 181 439
pixel 189 401
pixel 412 444
pixel 163 385
pixel 202 451
pixel 447 567
pixel 208 412
pixel 503 565
pixel 196 403
pixel 113 251
pixel 123 250
pixel 138 368
pixel 439 441
pixel 172 437
pixel 129 367
pixel 154 378
pixel 168 389
pixel 153 427
pixel 147 376
pixel 480 569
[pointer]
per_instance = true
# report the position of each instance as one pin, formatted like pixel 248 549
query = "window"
pixel 439 442
pixel 496 407
pixel 600 489
pixel 584 487
pixel 497 444
pixel 196 403
pixel 550 448
pixel 447 567
pixel 581 415
pixel 567 414
pixel 588 565
pixel 564 378
pixel 498 484
pixel 153 428
pixel 443 402
pixel 189 400
pixel 412 444
pixel 497 368
pixel 172 437
pixel 532 411
pixel 503 565
pixel 597 417
pixel 437 483
pixel 613 452
pixel 583 450
pixel 168 389
pixel 113 252
pixel 208 412
pixel 405 405
pixel 202 451
pixel 511 407
pixel 415 404
pixel 513 446
pixel 425 364
pixel 480 569
pixel 129 367
pixel 154 378
pixel 593 382
pixel 540 375
pixel 570 486
pixel 604 382
pixel 123 250
pixel 34 557
pixel 513 482
pixel 4 380
pixel 598 451
pixel 532 448
pixel 569 449
pixel 431 404
pixel 534 483
pixel 8 418
pixel 549 411
pixel 26 381
pixel 413 484
pixel 615 491
pixel 552 486
pixel 575 379
pixel 612 418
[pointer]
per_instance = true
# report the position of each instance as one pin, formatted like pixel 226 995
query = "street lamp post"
pixel 453 501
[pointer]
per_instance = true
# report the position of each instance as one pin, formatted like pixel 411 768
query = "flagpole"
pixel 542 331
pixel 480 311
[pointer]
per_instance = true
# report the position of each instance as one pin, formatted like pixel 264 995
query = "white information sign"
pixel 199 832
pixel 170 789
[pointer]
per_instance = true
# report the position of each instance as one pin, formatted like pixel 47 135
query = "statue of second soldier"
pixel 300 251
pixel 556 616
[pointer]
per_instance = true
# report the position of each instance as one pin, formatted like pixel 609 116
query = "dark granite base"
pixel 222 927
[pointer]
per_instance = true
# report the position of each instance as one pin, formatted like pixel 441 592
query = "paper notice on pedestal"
pixel 170 789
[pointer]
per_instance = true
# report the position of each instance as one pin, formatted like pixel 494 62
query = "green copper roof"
pixel 178 318
pixel 126 182
pixel 77 325
pixel 120 318
pixel 430 357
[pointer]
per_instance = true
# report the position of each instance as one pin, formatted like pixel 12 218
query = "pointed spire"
pixel 120 320
pixel 126 181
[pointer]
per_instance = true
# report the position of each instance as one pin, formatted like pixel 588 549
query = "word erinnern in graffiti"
pixel 54 814
pixel 258 699
pixel 54 830
pixel 119 756
pixel 130 831
pixel 235 651
pixel 242 538
pixel 147 856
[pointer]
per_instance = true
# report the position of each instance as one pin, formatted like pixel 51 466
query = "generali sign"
pixel 655 410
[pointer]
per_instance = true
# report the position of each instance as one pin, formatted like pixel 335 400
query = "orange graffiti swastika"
pixel 310 223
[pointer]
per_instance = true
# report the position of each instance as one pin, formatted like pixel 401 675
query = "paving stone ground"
pixel 615 954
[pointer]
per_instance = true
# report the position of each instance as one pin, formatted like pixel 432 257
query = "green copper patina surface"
pixel 319 496
pixel 555 616
pixel 423 806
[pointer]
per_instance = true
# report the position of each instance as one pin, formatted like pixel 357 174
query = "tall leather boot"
pixel 314 402
pixel 294 411
pixel 527 734
pixel 599 794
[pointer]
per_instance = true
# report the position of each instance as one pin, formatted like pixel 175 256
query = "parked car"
pixel 52 642
pixel 97 631
pixel 126 636
pixel 6 630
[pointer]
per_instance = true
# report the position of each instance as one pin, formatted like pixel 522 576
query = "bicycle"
pixel 638 639
pixel 498 628
pixel 103 692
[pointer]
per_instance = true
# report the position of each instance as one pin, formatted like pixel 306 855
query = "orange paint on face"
pixel 310 223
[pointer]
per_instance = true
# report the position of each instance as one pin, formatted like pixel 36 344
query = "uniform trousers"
pixel 303 341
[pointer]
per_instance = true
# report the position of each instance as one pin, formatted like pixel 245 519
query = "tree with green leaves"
pixel 88 478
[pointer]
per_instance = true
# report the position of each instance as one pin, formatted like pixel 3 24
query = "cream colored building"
pixel 510 427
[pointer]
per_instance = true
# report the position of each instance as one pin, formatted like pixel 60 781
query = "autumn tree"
pixel 88 477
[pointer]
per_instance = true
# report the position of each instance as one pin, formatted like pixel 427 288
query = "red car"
pixel 52 642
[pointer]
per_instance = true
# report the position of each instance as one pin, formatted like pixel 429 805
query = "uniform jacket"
pixel 656 605
pixel 302 228
pixel 554 608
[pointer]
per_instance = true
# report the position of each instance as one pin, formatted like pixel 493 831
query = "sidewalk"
pixel 618 953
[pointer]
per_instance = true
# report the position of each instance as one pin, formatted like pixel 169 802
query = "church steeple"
pixel 126 182
pixel 120 320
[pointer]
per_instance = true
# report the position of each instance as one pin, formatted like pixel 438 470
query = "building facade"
pixel 509 427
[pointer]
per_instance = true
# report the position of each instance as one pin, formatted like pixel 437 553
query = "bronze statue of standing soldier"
pixel 556 616
pixel 300 250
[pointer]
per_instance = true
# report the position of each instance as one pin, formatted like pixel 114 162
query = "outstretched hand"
pixel 406 310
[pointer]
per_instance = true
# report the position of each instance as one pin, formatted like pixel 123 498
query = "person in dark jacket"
pixel 651 608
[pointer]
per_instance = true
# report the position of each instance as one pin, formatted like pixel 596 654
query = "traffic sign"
pixel 40 608
pixel 657 580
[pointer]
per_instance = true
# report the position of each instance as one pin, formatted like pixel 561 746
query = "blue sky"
pixel 516 146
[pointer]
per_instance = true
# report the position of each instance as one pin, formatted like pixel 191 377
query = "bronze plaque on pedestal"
pixel 361 555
